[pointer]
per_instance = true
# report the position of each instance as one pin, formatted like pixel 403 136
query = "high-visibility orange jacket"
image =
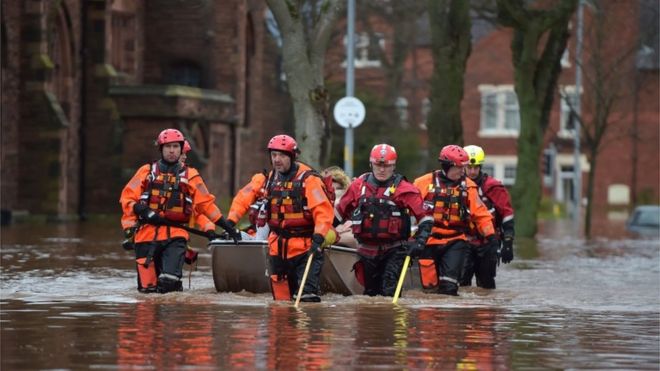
pixel 203 204
pixel 451 219
pixel 318 207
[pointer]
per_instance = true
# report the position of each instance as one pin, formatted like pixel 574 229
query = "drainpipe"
pixel 83 112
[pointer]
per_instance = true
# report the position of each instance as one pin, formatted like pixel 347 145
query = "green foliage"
pixel 380 126
pixel 549 209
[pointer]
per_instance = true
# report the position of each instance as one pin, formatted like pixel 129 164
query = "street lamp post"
pixel 350 85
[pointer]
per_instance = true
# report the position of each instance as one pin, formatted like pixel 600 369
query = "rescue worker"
pixel 299 214
pixel 159 196
pixel 379 204
pixel 452 200
pixel 481 261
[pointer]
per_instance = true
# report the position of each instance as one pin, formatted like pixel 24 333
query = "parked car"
pixel 645 221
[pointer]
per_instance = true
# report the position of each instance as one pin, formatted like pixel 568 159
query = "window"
pixel 500 113
pixel 367 49
pixel 185 73
pixel 123 42
pixel 566 59
pixel 488 169
pixel 426 109
pixel 509 174
pixel 401 105
pixel 567 118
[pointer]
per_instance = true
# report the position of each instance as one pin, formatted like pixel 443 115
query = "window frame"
pixel 501 108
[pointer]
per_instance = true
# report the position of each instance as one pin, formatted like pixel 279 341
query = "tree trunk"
pixel 593 157
pixel 539 40
pixel 450 35
pixel 305 39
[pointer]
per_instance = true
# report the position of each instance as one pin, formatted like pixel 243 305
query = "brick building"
pixel 87 86
pixel 490 109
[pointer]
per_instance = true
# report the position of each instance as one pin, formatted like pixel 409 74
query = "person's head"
pixel 170 143
pixel 340 180
pixel 283 152
pixel 453 160
pixel 476 157
pixel 184 152
pixel 382 161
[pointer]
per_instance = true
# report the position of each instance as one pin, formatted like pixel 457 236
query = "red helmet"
pixel 284 143
pixel 169 136
pixel 383 154
pixel 186 147
pixel 454 155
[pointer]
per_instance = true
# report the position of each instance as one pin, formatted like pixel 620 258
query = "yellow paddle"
pixel 304 279
pixel 399 285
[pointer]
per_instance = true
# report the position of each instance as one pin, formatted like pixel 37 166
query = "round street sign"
pixel 349 112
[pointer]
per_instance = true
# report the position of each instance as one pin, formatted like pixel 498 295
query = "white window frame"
pixel 500 93
pixel 426 109
pixel 499 163
pixel 361 55
pixel 565 111
pixel 401 105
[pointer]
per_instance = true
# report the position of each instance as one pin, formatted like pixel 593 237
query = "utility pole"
pixel 350 85
pixel 577 176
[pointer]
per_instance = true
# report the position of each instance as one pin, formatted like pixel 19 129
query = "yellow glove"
pixel 330 238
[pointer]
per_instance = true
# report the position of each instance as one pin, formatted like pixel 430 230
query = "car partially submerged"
pixel 644 221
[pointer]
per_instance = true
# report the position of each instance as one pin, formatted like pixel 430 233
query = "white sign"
pixel 349 112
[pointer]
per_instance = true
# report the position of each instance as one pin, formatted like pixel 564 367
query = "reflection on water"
pixel 69 302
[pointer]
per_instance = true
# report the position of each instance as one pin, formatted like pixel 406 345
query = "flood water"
pixel 68 301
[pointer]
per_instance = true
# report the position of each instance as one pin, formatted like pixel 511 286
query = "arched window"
pixel 60 51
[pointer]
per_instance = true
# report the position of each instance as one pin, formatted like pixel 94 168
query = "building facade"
pixel 88 85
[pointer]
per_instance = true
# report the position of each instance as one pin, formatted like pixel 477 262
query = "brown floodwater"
pixel 68 302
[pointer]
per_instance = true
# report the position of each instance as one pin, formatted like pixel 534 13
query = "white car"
pixel 645 221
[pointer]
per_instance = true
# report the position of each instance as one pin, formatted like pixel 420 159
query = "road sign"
pixel 349 112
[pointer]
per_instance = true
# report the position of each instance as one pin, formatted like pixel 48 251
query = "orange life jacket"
pixel 287 210
pixel 450 208
pixel 168 193
pixel 378 219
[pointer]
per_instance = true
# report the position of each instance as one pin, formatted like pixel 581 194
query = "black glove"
pixel 317 244
pixel 211 235
pixel 129 239
pixel 146 214
pixel 230 228
pixel 415 249
pixel 190 256
pixel 507 250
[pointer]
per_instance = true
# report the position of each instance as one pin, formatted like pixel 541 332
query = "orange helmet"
pixel 186 147
pixel 169 136
pixel 383 154
pixel 284 143
pixel 454 155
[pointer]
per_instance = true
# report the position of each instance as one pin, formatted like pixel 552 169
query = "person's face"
pixel 171 151
pixel 381 171
pixel 339 191
pixel 472 171
pixel 281 161
pixel 455 172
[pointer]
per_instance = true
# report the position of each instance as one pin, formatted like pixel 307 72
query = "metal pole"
pixel 350 86
pixel 577 180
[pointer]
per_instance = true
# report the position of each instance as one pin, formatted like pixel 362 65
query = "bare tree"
pixel 609 85
pixel 402 17
pixel 539 40
pixel 305 27
pixel 450 39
